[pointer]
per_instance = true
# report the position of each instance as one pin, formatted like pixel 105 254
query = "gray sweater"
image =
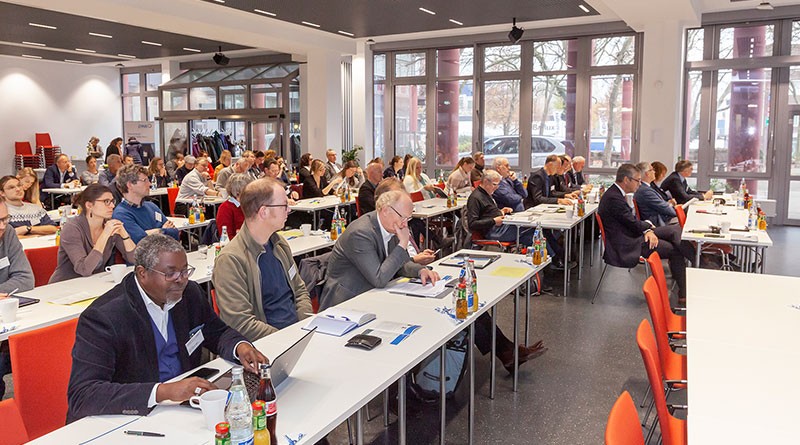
pixel 77 256
pixel 18 273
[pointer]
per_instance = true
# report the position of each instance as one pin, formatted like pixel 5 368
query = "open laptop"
pixel 281 368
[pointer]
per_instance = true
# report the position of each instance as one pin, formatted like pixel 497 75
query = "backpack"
pixel 425 376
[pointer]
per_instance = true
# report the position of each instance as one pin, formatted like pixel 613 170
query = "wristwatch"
pixel 28 230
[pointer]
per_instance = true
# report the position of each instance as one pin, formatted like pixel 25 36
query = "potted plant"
pixel 352 154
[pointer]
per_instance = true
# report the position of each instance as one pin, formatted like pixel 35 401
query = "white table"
pixel 314 205
pixel 61 191
pixel 432 207
pixel 212 201
pixel 331 382
pixel 738 220
pixel 743 357
pixel 304 244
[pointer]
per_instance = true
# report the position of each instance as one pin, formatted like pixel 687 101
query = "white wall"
pixel 71 102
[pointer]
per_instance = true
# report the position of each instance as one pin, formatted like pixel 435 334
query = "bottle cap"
pixel 223 428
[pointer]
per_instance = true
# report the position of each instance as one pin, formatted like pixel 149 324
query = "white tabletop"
pixel 435 207
pixel 330 382
pixel 326 202
pixel 743 357
pixel 702 221
pixel 550 217
pixel 64 191
pixel 207 200
pixel 304 244
pixel 183 223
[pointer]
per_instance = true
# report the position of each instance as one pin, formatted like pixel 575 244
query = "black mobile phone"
pixel 204 373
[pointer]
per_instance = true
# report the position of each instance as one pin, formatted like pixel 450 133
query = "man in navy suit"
pixel 676 184
pixel 145 331
pixel 627 238
pixel 60 175
pixel 652 206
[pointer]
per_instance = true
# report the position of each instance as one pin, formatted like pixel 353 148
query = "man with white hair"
pixel 197 182
pixel 331 167
pixel 485 216
pixel 240 166
pixel 366 193
pixel 188 165
pixel 510 192
pixel 576 174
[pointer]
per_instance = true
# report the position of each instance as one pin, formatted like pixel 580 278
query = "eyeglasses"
pixel 635 179
pixel 107 202
pixel 177 275
pixel 285 206
pixel 404 218
pixel 140 179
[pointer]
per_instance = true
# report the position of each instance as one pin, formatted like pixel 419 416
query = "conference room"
pixel 416 223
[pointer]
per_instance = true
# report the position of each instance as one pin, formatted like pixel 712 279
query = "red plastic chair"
pixel 673 430
pixel 214 301
pixel 636 207
pixel 475 184
pixel 43 262
pixel 358 208
pixel 605 264
pixel 43 141
pixel 417 197
pixel 14 432
pixel 42 361
pixel 681 215
pixel 673 321
pixel 478 240
pixel 673 364
pixel 24 156
pixel 172 197
pixel 623 423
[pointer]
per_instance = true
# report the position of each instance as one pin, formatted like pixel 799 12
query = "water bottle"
pixel 239 412
pixel 223 239
pixel 154 182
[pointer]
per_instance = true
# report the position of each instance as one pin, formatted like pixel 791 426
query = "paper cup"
pixel 306 228
pixel 8 309
pixel 725 226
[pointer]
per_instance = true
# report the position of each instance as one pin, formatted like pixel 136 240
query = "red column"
pixel 447 108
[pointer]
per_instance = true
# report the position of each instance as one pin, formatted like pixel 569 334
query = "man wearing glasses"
pixel 373 251
pixel 145 331
pixel 259 289
pixel 627 237
pixel 139 216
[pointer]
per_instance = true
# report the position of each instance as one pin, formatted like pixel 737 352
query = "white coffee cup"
pixel 570 212
pixel 212 403
pixel 725 226
pixel 118 271
pixel 8 309
pixel 306 228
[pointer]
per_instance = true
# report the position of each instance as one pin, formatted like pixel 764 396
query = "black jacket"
pixel 660 191
pixel 679 190
pixel 624 233
pixel 366 197
pixel 114 361
pixel 538 191
pixel 481 211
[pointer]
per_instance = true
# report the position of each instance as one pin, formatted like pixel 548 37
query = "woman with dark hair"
pixel 352 175
pixel 460 179
pixel 304 171
pixel 315 185
pixel 91 175
pixel 395 168
pixel 114 148
pixel 660 170
pixel 406 158
pixel 88 241
pixel 157 171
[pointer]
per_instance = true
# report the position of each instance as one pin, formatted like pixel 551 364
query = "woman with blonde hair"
pixel 460 180
pixel 224 161
pixel 416 180
pixel 30 183
pixel 315 185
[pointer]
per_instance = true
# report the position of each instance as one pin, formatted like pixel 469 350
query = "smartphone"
pixel 204 373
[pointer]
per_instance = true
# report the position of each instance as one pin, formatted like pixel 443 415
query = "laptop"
pixel 281 368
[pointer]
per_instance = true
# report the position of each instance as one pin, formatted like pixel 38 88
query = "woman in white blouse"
pixel 417 181
pixel 459 180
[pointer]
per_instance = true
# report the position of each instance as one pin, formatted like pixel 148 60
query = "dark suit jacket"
pixel 538 192
pixel 359 262
pixel 310 189
pixel 52 177
pixel 481 211
pixel 114 361
pixel 660 191
pixel 652 206
pixel 576 178
pixel 679 190
pixel 624 233
pixel 366 197
pixel 302 174
pixel 562 187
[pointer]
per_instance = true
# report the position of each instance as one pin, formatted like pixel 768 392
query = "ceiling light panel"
pixel 349 34
pixel 151 43
pixel 428 11
pixel 85 50
pixel 39 25
pixel 33 43
pixel 97 34
pixel 193 50
pixel 456 22
pixel 584 9
pixel 29 56
pixel 261 11
pixel 310 24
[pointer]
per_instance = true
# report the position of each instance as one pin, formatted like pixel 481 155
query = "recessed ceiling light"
pixel 97 34
pixel 85 50
pixel 128 56
pixel 310 24
pixel 584 9
pixel 31 57
pixel 39 25
pixel 192 50
pixel 427 11
pixel 34 43
pixel 72 61
pixel 220 1
pixel 151 43
pixel 347 33
pixel 456 22
pixel 261 11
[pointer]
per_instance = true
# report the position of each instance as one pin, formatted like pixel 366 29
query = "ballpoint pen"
pixel 143 433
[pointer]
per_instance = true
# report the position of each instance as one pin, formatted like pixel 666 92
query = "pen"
pixel 143 433
pixel 10 294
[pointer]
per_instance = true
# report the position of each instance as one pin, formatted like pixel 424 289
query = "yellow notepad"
pixel 510 272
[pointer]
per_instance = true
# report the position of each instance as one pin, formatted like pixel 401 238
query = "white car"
pixel 508 147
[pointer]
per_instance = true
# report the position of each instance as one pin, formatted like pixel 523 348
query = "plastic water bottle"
pixel 223 239
pixel 239 412
pixel 154 182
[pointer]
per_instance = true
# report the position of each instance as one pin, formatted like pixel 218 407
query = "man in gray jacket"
pixel 258 287
pixel 373 251
pixel 15 273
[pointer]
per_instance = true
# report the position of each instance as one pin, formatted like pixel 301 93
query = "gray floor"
pixel 564 396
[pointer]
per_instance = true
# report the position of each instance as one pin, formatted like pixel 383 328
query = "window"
pixel 130 83
pixel 553 113
pixel 610 51
pixel 501 120
pixel 502 58
pixel 410 121
pixel 745 42
pixel 555 55
pixel 131 108
pixel 611 115
pixel 410 65
pixel 265 96
pixel 454 62
pixel 202 98
pixel 692 133
pixel 453 121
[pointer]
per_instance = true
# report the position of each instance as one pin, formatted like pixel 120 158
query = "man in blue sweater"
pixel 510 193
pixel 140 217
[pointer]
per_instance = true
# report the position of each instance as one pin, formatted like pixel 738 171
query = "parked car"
pixel 508 147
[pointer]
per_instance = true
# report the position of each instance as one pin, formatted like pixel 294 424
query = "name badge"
pixel 4 262
pixel 195 340
pixel 158 217
pixel 292 271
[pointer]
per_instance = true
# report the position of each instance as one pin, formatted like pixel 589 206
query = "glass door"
pixel 268 135
pixel 791 213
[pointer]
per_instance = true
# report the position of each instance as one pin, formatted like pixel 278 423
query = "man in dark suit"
pixel 373 251
pixel 564 183
pixel 145 331
pixel 366 193
pixel 576 174
pixel 541 186
pixel 627 238
pixel 652 207
pixel 60 175
pixel 676 184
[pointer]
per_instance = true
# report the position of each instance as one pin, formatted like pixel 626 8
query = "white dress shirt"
pixel 385 235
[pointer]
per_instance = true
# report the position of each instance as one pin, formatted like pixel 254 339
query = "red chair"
pixel 172 197
pixel 681 215
pixel 636 207
pixel 43 262
pixel 605 264
pixel 623 426
pixel 24 156
pixel 43 141
pixel 475 184
pixel 417 197
pixel 297 188
pixel 14 432
pixel 673 321
pixel 42 361
pixel 46 150
pixel 441 185
pixel 214 301
pixel 358 208
pixel 673 430
pixel 478 240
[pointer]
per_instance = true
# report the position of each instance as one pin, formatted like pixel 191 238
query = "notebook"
pixel 337 321
pixel 481 261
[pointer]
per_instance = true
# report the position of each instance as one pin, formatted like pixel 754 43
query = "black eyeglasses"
pixel 177 275
pixel 634 179
pixel 145 179
pixel 285 206
pixel 405 218
pixel 107 202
